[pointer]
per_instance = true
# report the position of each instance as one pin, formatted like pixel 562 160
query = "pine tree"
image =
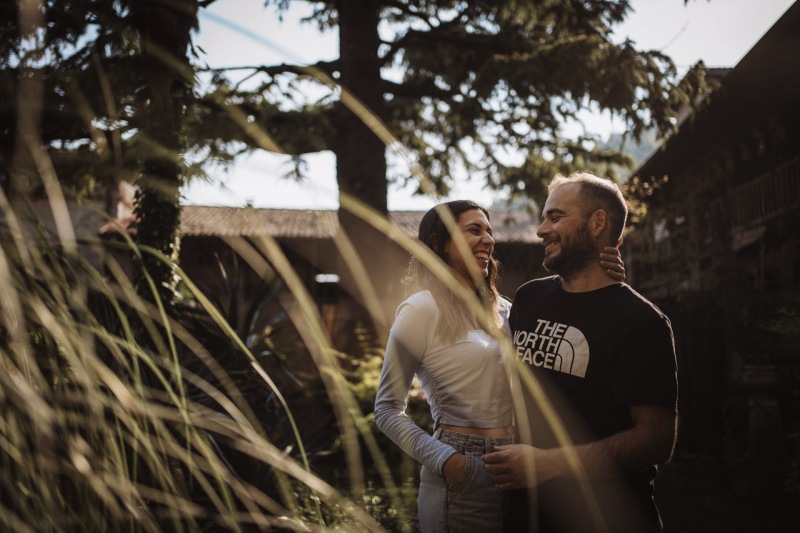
pixel 458 83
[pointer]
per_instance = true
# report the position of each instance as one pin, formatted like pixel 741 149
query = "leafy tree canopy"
pixel 457 83
pixel 461 83
pixel 88 57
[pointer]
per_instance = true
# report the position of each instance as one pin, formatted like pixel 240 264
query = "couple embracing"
pixel 568 436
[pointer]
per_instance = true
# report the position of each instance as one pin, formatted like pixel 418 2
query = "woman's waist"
pixel 489 420
pixel 470 443
pixel 495 433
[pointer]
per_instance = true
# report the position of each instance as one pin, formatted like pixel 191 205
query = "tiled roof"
pixel 228 221
pixel 508 225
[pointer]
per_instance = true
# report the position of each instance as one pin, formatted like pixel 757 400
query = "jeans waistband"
pixel 465 443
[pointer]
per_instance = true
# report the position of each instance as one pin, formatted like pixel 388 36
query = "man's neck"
pixel 592 278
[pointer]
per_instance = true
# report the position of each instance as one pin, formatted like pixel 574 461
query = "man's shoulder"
pixel 635 310
pixel 538 284
pixel 638 303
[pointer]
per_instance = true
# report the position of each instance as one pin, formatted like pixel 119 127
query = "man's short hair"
pixel 597 193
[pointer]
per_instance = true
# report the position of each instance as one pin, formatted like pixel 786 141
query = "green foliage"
pixel 252 309
pixel 393 513
pixel 637 191
pixel 363 377
pixel 90 74
pixel 785 323
pixel 464 82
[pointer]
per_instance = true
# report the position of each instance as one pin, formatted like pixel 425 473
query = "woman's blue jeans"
pixel 470 504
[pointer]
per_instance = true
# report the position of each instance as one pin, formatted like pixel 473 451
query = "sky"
pixel 242 32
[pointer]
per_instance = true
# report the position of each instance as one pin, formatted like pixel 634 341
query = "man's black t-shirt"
pixel 595 354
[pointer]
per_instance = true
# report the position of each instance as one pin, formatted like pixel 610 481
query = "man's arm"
pixel 649 442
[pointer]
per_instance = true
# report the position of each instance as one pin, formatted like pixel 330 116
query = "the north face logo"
pixel 555 346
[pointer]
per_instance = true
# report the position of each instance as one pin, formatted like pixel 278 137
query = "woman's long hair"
pixel 455 318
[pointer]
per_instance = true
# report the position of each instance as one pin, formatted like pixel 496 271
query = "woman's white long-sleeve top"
pixel 465 382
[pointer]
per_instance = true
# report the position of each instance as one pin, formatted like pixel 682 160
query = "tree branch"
pixel 417 90
pixel 328 67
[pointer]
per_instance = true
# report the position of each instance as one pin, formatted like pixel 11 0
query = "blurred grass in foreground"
pixel 116 417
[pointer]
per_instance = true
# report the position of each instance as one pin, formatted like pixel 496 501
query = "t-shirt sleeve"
pixel 504 307
pixel 646 372
pixel 408 341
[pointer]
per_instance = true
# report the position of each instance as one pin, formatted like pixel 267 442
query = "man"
pixel 604 358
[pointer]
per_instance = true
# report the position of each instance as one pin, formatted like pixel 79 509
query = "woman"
pixel 460 368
